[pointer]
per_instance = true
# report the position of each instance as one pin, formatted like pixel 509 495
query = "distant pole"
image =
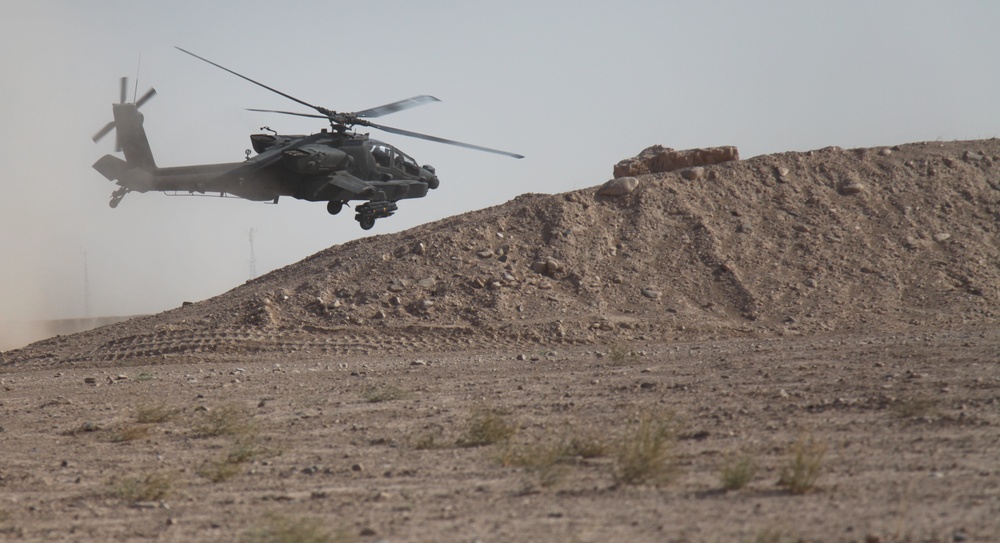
pixel 253 259
pixel 86 287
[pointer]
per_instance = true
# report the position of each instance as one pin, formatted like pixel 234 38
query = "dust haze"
pixel 573 89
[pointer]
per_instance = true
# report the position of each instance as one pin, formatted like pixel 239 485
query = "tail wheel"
pixel 366 222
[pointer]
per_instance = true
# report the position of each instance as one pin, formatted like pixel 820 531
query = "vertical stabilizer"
pixel 132 137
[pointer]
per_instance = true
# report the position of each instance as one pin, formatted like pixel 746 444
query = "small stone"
pixel 885 152
pixel 357 467
pixel 427 283
pixel 380 314
pixel 418 363
pixel 650 293
pixel 941 237
pixel 419 249
pixel 618 187
pixel 810 282
pixel 852 188
pixel 485 253
pixel 520 358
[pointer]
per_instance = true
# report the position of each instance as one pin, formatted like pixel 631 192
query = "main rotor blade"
pixel 441 140
pixel 313 115
pixel 276 91
pixel 124 85
pixel 396 106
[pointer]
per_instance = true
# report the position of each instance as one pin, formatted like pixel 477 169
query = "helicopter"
pixel 336 165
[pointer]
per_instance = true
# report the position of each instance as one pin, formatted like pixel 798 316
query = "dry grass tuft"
pixel 226 420
pixel 386 393
pixel 620 354
pixel 803 466
pixel 155 413
pixel 486 427
pixel 142 488
pixel 738 472
pixel 278 528
pixel 243 451
pixel 645 452
pixel 129 432
pixel 913 408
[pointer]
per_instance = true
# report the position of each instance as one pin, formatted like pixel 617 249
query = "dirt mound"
pixel 791 243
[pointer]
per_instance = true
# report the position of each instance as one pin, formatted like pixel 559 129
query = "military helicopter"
pixel 336 165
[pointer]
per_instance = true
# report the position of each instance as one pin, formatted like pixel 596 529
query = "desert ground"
pixel 792 347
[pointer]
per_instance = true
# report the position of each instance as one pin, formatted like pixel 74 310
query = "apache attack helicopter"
pixel 336 165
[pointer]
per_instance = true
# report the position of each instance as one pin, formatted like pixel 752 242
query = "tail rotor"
pixel 124 98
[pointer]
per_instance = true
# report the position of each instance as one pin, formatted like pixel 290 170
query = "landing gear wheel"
pixel 334 207
pixel 116 197
pixel 366 222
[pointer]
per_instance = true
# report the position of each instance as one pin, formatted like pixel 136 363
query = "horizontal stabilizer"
pixel 111 167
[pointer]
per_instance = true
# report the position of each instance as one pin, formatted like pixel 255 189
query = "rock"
pixel 419 249
pixel 940 237
pixel 658 159
pixel 650 293
pixel 549 266
pixel 852 188
pixel 427 283
pixel 357 467
pixel 618 187
pixel 485 253
pixel 90 380
pixel 692 174
pixel 885 152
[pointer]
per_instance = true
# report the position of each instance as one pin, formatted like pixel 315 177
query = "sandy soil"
pixel 369 446
pixel 559 368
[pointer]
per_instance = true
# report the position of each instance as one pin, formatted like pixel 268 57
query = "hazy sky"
pixel 575 86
